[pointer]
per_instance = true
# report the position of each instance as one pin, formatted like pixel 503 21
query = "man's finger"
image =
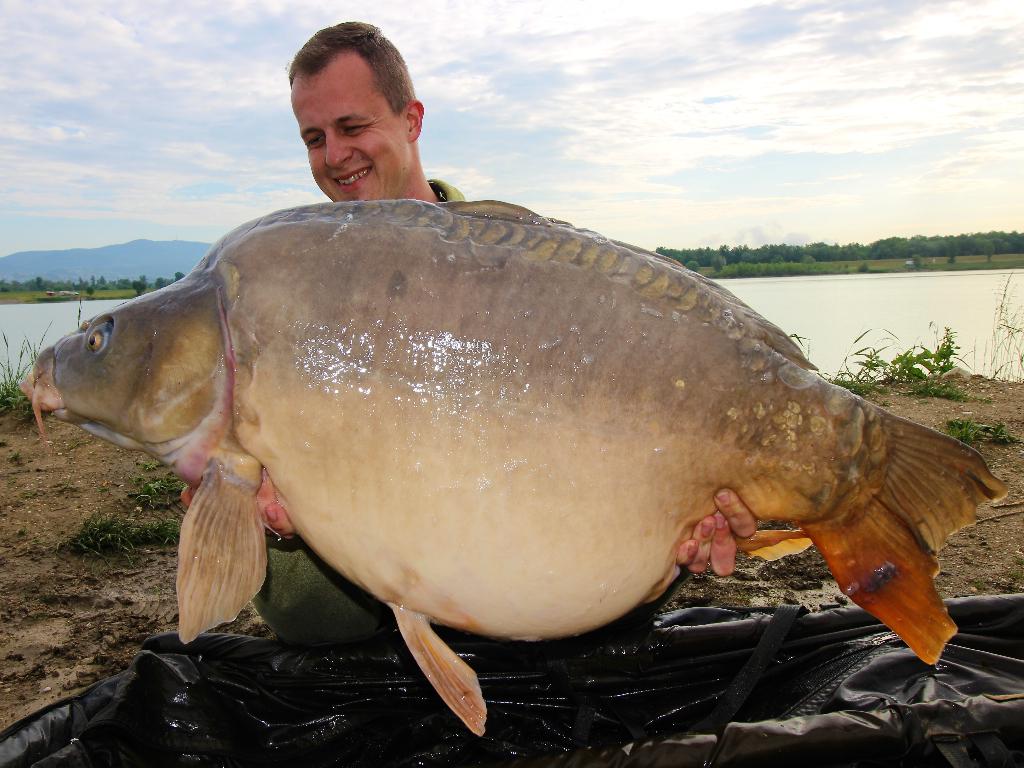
pixel 687 552
pixel 703 533
pixel 723 548
pixel 740 519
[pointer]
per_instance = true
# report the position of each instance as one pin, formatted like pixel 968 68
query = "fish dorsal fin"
pixel 782 343
pixel 452 678
pixel 222 554
pixel 495 209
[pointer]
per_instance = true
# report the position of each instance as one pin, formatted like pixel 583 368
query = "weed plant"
pixel 971 432
pixel 11 375
pixel 105 535
pixel 1006 348
pixel 868 371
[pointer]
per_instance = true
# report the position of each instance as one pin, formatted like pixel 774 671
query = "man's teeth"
pixel 354 177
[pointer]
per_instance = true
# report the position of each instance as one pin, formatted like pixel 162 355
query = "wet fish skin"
pixel 501 424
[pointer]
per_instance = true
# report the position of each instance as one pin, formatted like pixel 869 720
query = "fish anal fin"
pixel 770 544
pixel 879 564
pixel 222 554
pixel 453 679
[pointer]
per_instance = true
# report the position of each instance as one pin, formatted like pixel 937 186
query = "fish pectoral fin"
pixel 770 544
pixel 222 554
pixel 453 679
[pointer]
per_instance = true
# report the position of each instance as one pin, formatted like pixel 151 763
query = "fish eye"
pixel 97 338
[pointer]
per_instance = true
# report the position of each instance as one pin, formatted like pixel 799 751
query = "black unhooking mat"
pixel 697 687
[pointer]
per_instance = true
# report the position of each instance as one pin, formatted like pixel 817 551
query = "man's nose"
pixel 337 151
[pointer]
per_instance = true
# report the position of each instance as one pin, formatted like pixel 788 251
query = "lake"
pixel 829 312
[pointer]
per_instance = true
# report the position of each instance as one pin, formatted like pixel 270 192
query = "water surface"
pixel 829 312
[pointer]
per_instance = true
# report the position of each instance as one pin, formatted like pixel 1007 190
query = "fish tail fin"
pixel 882 547
pixel 222 553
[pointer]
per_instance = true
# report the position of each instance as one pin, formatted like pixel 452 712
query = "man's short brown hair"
pixel 384 60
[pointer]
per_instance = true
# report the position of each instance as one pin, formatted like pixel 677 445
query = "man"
pixel 359 117
pixel 360 121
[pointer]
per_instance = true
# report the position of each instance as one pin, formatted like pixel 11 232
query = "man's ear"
pixel 414 120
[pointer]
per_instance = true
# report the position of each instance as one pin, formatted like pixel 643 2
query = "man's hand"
pixel 275 516
pixel 711 543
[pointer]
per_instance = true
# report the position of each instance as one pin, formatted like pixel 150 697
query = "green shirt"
pixel 445 192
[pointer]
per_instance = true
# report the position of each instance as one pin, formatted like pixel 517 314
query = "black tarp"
pixel 696 687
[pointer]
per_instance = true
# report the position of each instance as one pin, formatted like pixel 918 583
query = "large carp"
pixel 496 422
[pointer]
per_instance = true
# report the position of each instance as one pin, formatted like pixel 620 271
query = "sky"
pixel 661 124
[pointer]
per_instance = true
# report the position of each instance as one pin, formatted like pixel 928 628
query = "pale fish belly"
pixel 507 524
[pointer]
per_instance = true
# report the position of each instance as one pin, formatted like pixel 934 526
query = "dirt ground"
pixel 68 620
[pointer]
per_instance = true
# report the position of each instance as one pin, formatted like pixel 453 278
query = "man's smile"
pixel 353 178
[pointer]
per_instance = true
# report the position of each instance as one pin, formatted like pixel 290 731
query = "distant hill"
pixel 152 258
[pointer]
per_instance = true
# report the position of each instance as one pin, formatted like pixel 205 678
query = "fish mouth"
pixel 38 386
pixel 41 390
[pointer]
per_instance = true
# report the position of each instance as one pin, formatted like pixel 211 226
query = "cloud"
pixel 618 112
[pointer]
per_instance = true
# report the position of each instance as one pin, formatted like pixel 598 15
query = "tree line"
pixel 140 284
pixel 915 249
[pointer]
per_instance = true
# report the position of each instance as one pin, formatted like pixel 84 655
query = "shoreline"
pixel 945 270
pixel 705 272
pixel 61 300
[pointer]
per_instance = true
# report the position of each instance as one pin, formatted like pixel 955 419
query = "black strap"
pixel 628 720
pixel 558 671
pixel 993 750
pixel 990 749
pixel 584 722
pixel 587 706
pixel 954 749
pixel 739 689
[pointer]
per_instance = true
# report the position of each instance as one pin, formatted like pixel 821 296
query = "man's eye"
pixel 354 130
pixel 314 142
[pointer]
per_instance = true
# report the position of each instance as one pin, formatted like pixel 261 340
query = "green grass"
pixel 157 492
pixel 11 374
pixel 65 488
pixel 972 432
pixel 938 388
pixel 105 535
pixel 862 388
pixel 1017 574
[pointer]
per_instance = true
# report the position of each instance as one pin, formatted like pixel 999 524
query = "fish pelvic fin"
pixel 882 546
pixel 222 554
pixel 770 544
pixel 453 679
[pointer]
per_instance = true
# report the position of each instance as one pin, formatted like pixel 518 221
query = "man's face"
pixel 358 148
